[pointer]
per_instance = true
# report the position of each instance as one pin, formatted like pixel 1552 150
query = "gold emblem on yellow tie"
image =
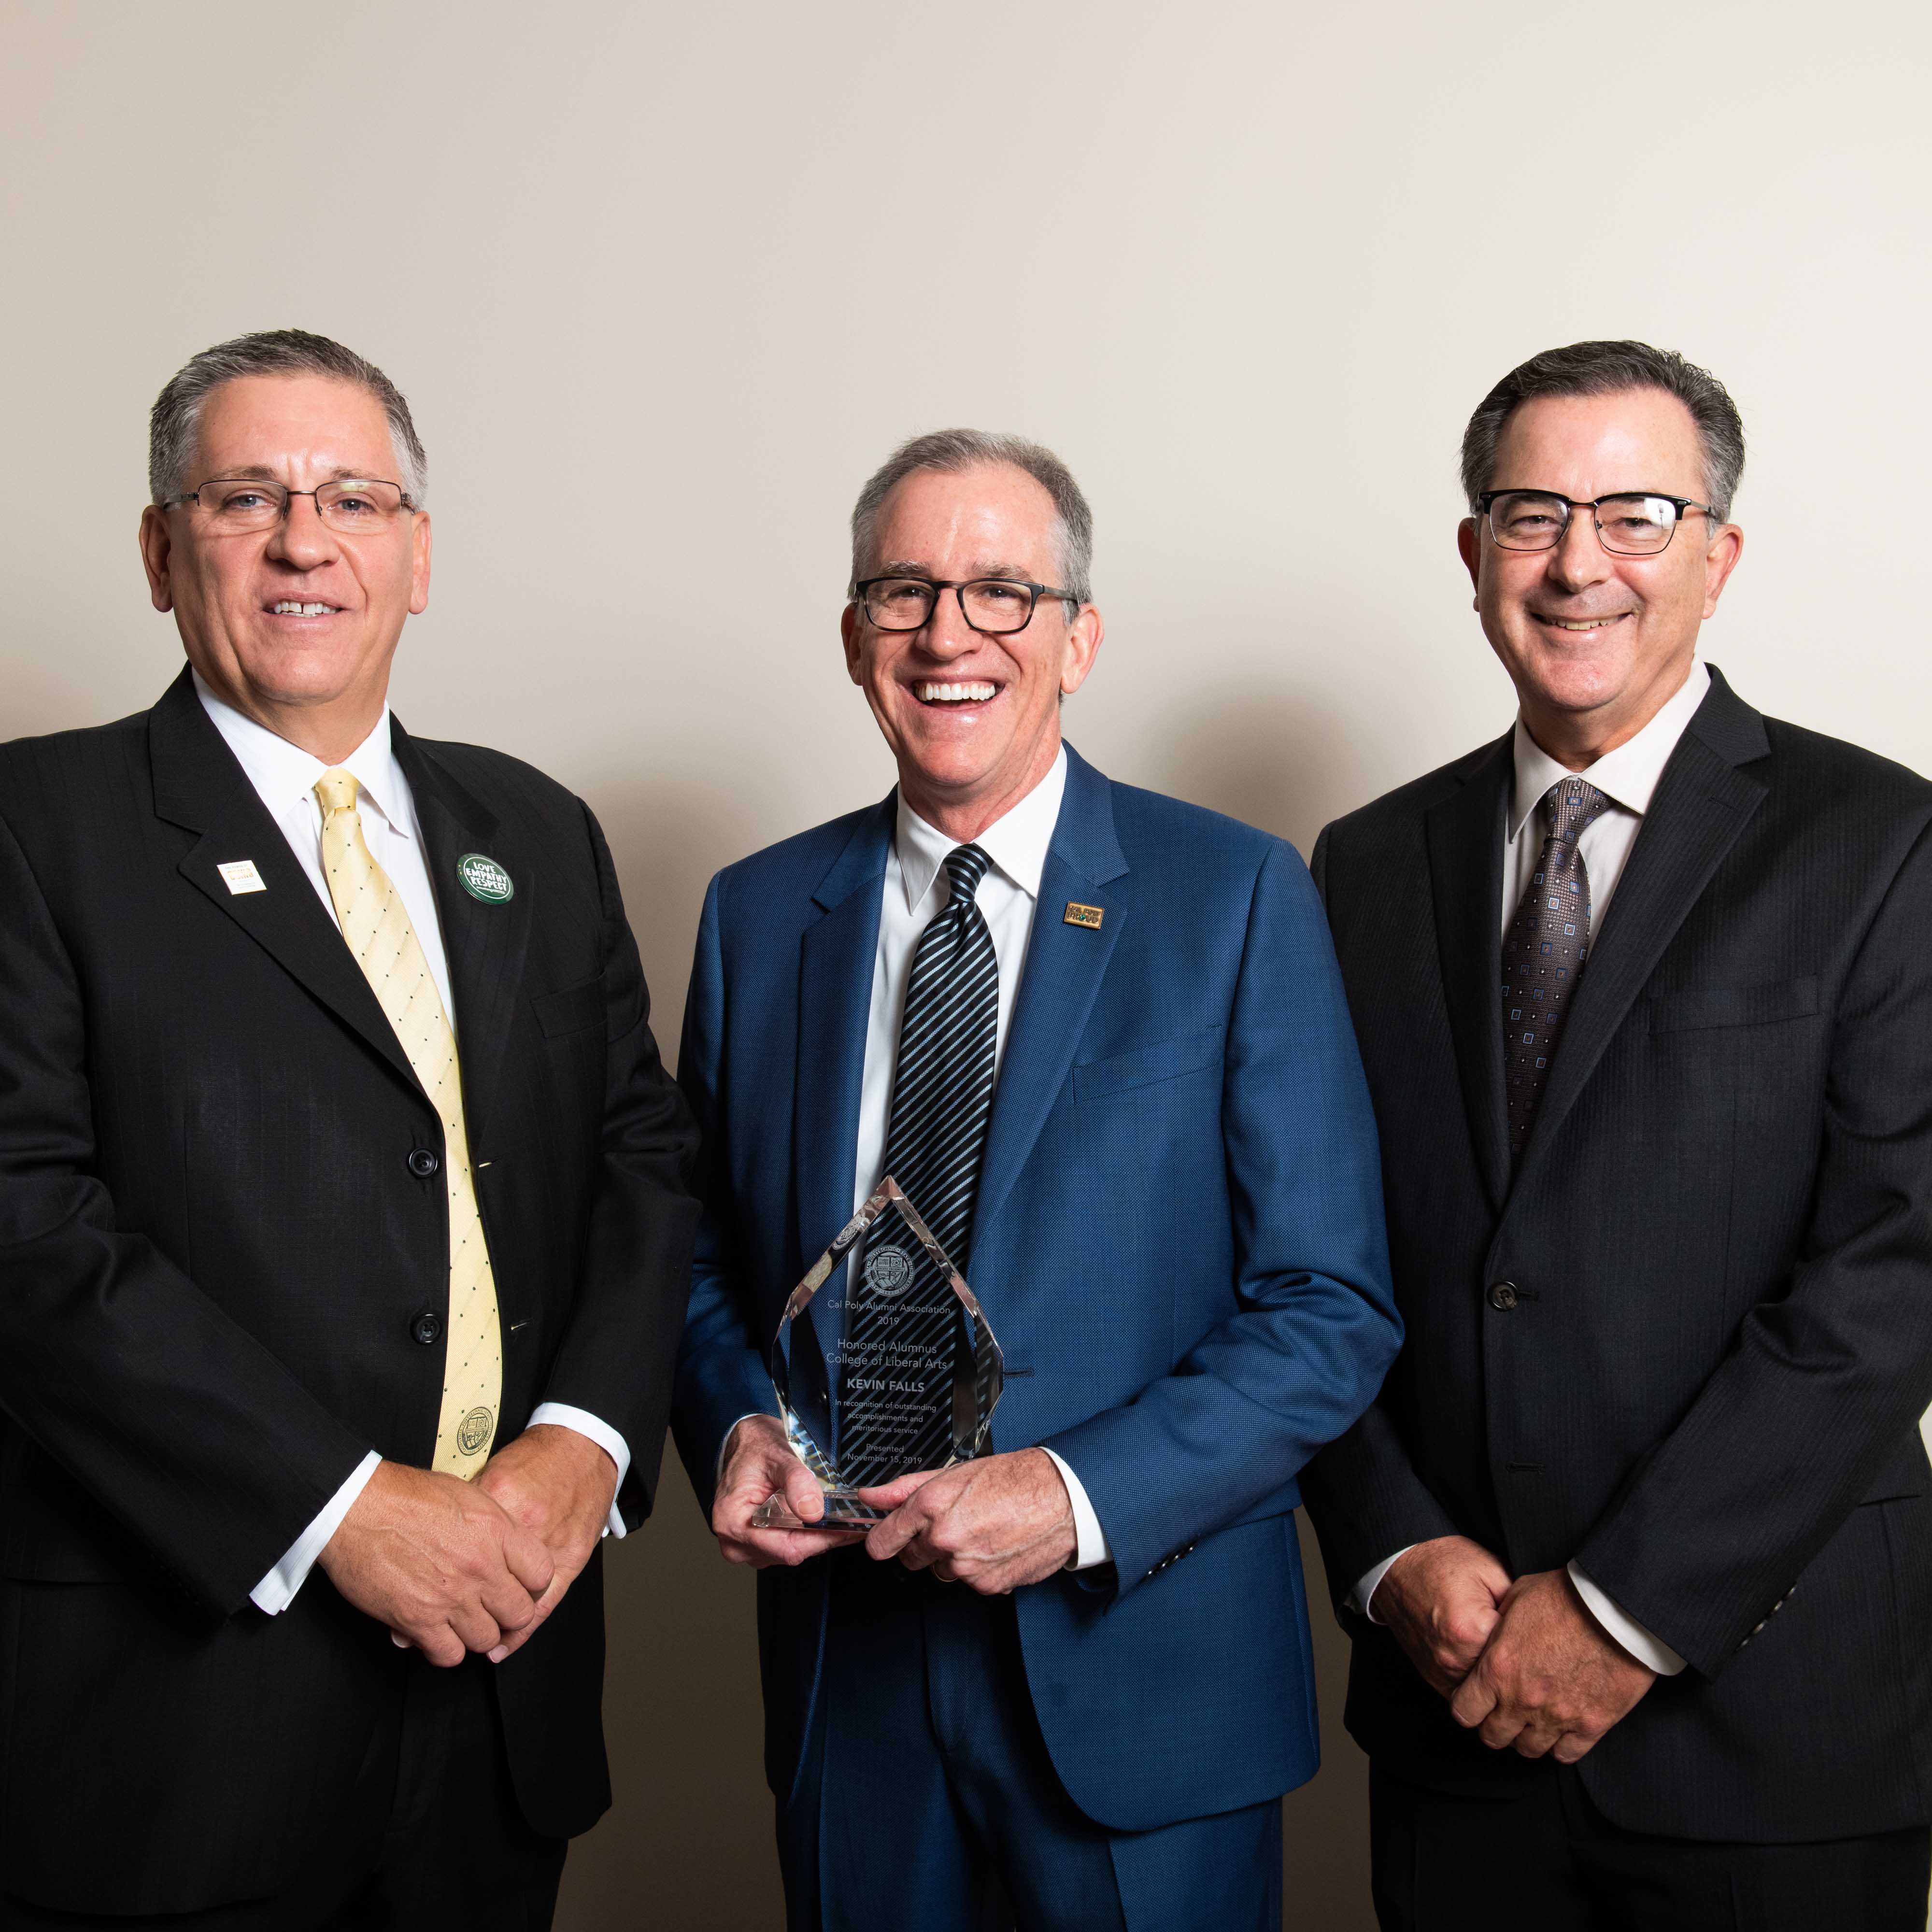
pixel 377 927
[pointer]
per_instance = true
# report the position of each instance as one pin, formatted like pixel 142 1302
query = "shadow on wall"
pixel 689 1840
pixel 667 840
pixel 1275 761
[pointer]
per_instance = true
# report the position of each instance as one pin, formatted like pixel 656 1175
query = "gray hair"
pixel 1608 369
pixel 175 422
pixel 950 451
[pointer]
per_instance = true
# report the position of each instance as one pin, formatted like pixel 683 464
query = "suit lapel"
pixel 1465 857
pixel 836 957
pixel 1064 967
pixel 485 942
pixel 199 786
pixel 1702 802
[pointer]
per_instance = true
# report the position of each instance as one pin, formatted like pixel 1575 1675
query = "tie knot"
pixel 338 790
pixel 965 866
pixel 1568 806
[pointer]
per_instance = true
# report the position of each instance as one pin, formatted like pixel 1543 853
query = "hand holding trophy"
pixel 901 1344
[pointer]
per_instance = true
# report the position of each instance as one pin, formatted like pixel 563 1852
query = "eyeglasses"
pixel 996 605
pixel 234 505
pixel 1634 523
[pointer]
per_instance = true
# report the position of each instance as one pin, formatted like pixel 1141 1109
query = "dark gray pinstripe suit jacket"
pixel 213 1255
pixel 1707 1389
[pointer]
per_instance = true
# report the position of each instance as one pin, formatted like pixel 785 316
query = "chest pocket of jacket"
pixel 1142 1066
pixel 570 1008
pixel 1734 1006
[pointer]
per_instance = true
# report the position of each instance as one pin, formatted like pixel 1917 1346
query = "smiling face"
pixel 1595 642
pixel 294 625
pixel 973 721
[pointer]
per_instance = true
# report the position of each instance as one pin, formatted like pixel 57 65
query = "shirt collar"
pixel 1628 776
pixel 282 772
pixel 1017 844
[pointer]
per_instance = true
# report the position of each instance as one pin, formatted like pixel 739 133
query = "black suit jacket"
pixel 1706 1389
pixel 213 1255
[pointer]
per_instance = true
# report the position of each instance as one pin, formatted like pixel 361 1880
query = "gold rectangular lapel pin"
pixel 1077 914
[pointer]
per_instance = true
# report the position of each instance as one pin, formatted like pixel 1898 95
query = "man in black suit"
pixel 339 1283
pixel 1639 1523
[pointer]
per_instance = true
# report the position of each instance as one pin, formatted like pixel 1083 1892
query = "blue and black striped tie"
pixel 942 1101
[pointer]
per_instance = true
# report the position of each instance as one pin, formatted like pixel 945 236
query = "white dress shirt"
pixel 284 776
pixel 1628 777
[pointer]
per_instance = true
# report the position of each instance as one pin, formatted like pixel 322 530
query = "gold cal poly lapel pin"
pixel 1087 915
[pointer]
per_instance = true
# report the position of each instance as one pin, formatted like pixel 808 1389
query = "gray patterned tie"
pixel 1544 949
pixel 942 1101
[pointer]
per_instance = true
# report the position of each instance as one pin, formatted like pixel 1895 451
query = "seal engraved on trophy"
pixel 917 1393
pixel 889 1270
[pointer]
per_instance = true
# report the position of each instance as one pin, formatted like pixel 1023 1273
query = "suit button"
pixel 426 1327
pixel 422 1163
pixel 1502 1296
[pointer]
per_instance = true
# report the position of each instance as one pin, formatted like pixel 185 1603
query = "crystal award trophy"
pixel 883 1362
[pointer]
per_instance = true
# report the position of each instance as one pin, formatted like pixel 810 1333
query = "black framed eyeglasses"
pixel 997 605
pixel 234 505
pixel 1634 522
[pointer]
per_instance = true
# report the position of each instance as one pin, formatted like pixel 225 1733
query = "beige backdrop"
pixel 664 282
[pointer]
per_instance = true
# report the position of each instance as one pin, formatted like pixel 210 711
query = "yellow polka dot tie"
pixel 377 928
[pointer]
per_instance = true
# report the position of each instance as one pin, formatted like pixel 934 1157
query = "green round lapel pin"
pixel 484 879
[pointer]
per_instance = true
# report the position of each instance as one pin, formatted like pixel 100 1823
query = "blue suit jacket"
pixel 1178 1241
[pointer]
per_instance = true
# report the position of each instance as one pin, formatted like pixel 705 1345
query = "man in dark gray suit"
pixel 1634 1546
pixel 343 1236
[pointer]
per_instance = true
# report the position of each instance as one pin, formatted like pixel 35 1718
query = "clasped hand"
pixel 992 1525
pixel 1521 1662
pixel 452 1567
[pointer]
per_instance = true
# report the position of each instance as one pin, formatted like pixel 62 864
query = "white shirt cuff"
pixel 1362 1603
pixel 1651 1651
pixel 276 1590
pixel 606 1438
pixel 1091 1547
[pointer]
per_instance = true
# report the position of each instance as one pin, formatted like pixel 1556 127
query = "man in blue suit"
pixel 1099 1037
